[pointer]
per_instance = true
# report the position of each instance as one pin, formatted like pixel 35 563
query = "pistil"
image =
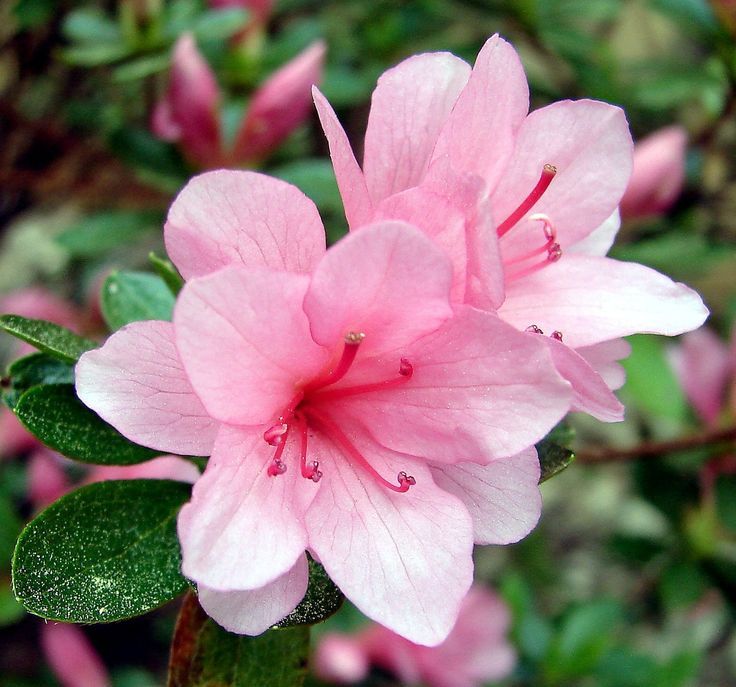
pixel 349 351
pixel 545 179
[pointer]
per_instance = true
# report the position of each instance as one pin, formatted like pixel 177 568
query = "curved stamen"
pixel 336 435
pixel 352 343
pixel 406 370
pixel 277 466
pixel 309 470
pixel 275 434
pixel 533 329
pixel 545 179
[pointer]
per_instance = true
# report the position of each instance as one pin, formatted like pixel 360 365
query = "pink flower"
pixel 348 408
pixel 189 112
pixel 658 175
pixel 525 206
pixel 475 652
pixel 72 658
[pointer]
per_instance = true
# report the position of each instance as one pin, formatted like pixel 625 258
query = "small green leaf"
pixel 141 67
pixel 95 54
pixel 205 655
pixel 554 456
pixel 217 25
pixel 166 270
pixel 90 25
pixel 105 552
pixel 322 599
pixel 32 370
pixel 48 337
pixel 55 415
pixel 102 232
pixel 135 296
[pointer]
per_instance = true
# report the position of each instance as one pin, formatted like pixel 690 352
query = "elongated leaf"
pixel 105 552
pixel 34 369
pixel 55 415
pixel 166 270
pixel 322 599
pixel 205 655
pixel 134 296
pixel 48 337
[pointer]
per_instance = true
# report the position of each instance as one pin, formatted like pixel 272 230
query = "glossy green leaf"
pixel 55 415
pixel 48 337
pixel 322 599
pixel 166 270
pixel 554 454
pixel 134 296
pixel 105 552
pixel 205 655
pixel 32 370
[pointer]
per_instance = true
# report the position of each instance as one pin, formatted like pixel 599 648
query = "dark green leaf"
pixel 90 25
pixel 105 552
pixel 155 160
pixel 142 67
pixel 102 232
pixel 134 296
pixel 32 13
pixel 32 370
pixel 554 454
pixel 55 415
pixel 48 337
pixel 322 599
pixel 10 610
pixel 217 25
pixel 205 655
pixel 10 526
pixel 167 272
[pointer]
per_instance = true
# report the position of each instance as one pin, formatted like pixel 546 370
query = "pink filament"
pixel 406 370
pixel 352 343
pixel 545 179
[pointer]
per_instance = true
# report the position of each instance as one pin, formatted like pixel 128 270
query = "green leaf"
pixel 141 67
pixel 10 610
pixel 322 599
pixel 95 54
pixel 217 25
pixel 205 655
pixel 32 13
pixel 135 296
pixel 102 232
pixel 105 552
pixel 32 370
pixel 166 270
pixel 48 337
pixel 90 25
pixel 554 454
pixel 55 415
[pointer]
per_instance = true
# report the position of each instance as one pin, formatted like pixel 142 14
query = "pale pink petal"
pixel 244 528
pixel 387 281
pixel 590 392
pixel 599 242
pixel 253 612
pixel 71 656
pixel 480 390
pixel 502 497
pixel 163 124
pixel 350 179
pixel 136 382
pixel 604 357
pixel 479 134
pixel 280 105
pixel 387 551
pixel 590 145
pixel 658 175
pixel 703 366
pixel 594 299
pixel 340 658
pixel 235 217
pixel 46 479
pixel 408 108
pixel 163 467
pixel 244 341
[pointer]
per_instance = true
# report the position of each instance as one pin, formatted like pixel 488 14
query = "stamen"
pixel 557 336
pixel 551 247
pixel 329 428
pixel 352 343
pixel 309 471
pixel 545 179
pixel 278 467
pixel 275 434
pixel 406 370
pixel 533 329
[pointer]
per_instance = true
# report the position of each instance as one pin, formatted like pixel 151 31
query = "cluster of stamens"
pixel 551 250
pixel 533 329
pixel 305 412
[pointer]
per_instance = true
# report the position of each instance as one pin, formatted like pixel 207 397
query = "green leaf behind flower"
pixel 134 296
pixel 48 337
pixel 34 369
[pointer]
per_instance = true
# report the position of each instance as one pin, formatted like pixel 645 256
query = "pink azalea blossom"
pixel 189 112
pixel 475 652
pixel 658 174
pixel 71 656
pixel 349 410
pixel 524 204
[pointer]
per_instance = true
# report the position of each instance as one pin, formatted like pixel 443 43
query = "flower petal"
pixel 408 108
pixel 385 550
pixel 244 341
pixel 593 299
pixel 227 217
pixel 590 145
pixel 479 391
pixel 479 135
pixel 387 281
pixel 350 179
pixel 502 497
pixel 599 242
pixel 137 383
pixel 254 611
pixel 243 528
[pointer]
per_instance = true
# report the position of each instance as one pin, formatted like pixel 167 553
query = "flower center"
pixel 306 411
pixel 550 249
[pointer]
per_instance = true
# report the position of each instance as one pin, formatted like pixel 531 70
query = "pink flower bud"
pixel 72 658
pixel 281 104
pixel 658 175
pixel 188 112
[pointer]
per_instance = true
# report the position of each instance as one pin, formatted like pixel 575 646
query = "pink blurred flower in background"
pixel 71 656
pixel 189 112
pixel 474 653
pixel 658 175
pixel 524 204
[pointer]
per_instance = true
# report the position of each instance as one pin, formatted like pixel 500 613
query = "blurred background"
pixel 107 108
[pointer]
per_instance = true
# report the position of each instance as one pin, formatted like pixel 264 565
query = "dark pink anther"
pixel 275 434
pixel 557 336
pixel 554 253
pixel 533 329
pixel 405 481
pixel 406 369
pixel 277 467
